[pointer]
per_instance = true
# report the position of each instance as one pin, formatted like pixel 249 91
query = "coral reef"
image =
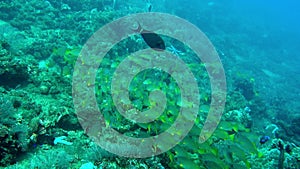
pixel 39 45
pixel 13 134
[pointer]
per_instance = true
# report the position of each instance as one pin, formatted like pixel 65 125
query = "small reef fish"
pixel 149 5
pixel 264 139
pixel 152 39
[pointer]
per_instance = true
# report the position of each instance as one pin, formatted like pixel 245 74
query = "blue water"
pixel 270 29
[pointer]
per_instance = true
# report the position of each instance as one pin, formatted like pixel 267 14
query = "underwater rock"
pixel 246 88
pixel 14 39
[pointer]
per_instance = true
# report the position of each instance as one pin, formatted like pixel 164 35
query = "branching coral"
pixel 272 126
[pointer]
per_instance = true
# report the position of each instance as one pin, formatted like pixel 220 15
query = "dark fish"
pixel 288 149
pixel 149 7
pixel 264 139
pixel 152 39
